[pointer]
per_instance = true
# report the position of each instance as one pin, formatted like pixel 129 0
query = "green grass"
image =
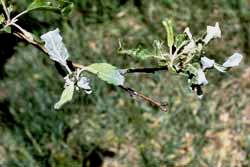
pixel 207 132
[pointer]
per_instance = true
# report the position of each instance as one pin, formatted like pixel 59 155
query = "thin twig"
pixel 19 15
pixel 153 102
pixel 6 10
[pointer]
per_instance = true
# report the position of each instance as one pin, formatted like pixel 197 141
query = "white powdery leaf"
pixel 201 78
pixel 56 49
pixel 188 32
pixel 84 83
pixel 212 33
pixel 190 47
pixel 207 63
pixel 233 60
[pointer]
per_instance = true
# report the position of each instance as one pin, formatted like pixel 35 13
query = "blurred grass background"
pixel 108 128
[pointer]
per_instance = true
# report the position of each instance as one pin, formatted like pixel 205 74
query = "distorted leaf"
pixel 212 32
pixel 201 78
pixel 56 49
pixel 207 63
pixel 84 84
pixel 233 60
pixel 107 72
pixel 66 96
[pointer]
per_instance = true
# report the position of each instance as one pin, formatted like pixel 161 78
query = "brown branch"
pixel 130 91
pixel 153 102
pixel 146 70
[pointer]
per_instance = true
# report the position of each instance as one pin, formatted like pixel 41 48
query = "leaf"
pixel 170 33
pixel 66 96
pixel 7 29
pixel 84 84
pixel 179 39
pixel 233 60
pixel 139 53
pixel 107 72
pixel 60 6
pixel 41 4
pixel 56 49
pixel 2 19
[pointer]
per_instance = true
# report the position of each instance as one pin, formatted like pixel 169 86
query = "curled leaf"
pixel 84 84
pixel 201 78
pixel 207 63
pixel 56 49
pixel 233 60
pixel 107 72
pixel 212 32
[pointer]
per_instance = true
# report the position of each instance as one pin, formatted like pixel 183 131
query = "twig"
pixel 6 10
pixel 153 102
pixel 146 70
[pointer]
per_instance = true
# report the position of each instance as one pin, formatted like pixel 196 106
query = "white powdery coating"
pixel 233 60
pixel 190 47
pixel 84 84
pixel 56 49
pixel 188 32
pixel 207 63
pixel 201 78
pixel 212 32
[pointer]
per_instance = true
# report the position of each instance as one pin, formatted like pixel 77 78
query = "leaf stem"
pixel 19 15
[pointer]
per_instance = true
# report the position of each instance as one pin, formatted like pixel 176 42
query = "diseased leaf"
pixel 66 96
pixel 60 6
pixel 170 32
pixel 84 84
pixel 107 72
pixel 56 49
pixel 233 60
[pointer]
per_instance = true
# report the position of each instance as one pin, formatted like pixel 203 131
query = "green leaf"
pixel 66 96
pixel 107 72
pixel 179 39
pixel 40 4
pixel 7 29
pixel 168 24
pixel 61 6
pixel 2 19
pixel 139 53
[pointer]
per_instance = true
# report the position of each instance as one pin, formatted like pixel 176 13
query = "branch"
pixel 134 93
pixel 130 91
pixel 146 70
